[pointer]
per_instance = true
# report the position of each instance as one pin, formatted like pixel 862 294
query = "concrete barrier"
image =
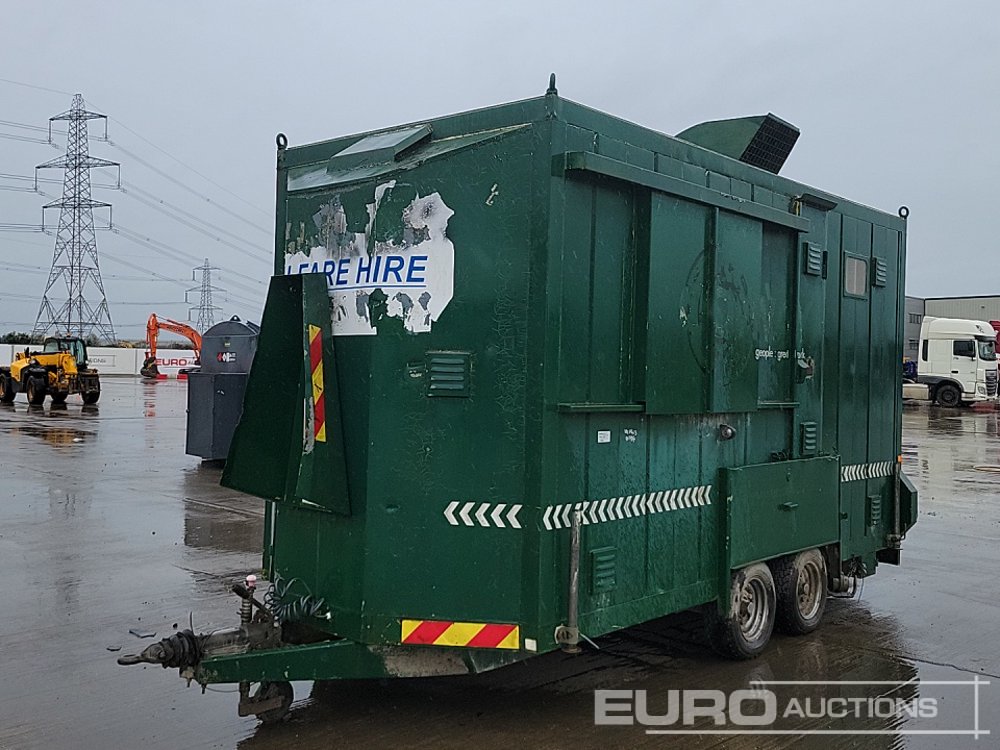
pixel 170 361
pixel 114 361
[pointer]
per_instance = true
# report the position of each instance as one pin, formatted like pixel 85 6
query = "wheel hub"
pixel 809 590
pixel 753 609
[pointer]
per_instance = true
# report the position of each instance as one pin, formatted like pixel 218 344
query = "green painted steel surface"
pixel 627 325
pixel 781 507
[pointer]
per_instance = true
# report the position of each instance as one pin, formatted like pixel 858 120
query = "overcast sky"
pixel 897 103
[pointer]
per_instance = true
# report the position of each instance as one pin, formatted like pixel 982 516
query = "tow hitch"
pixel 185 650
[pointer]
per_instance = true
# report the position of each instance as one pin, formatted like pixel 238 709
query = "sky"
pixel 897 103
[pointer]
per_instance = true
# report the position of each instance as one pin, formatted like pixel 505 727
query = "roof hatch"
pixel 378 148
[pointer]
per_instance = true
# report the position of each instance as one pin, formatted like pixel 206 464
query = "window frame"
pixel 973 354
pixel 867 276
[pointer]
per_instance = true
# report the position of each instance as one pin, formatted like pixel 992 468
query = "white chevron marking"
pixel 481 514
pixel 449 513
pixel 547 518
pixel 464 514
pixel 512 516
pixel 495 515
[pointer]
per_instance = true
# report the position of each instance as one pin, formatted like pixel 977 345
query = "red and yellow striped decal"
pixel 316 367
pixel 467 634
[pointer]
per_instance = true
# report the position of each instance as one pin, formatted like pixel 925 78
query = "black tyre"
pixel 6 390
pixel 35 391
pixel 281 690
pixel 91 397
pixel 948 395
pixel 801 586
pixel 59 398
pixel 744 634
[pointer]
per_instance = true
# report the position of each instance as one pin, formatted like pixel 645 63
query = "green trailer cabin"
pixel 532 373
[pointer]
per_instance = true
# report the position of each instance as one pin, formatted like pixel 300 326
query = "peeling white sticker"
pixel 604 436
pixel 413 273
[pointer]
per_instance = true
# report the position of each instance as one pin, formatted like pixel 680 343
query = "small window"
pixel 915 317
pixel 923 351
pixel 855 276
pixel 913 345
pixel 964 349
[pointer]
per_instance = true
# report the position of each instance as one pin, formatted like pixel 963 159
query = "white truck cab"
pixel 958 360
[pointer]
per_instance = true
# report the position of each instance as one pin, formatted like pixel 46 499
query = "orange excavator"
pixel 153 327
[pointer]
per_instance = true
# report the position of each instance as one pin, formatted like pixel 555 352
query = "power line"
pixel 155 204
pixel 48 131
pixel 169 250
pixel 187 187
pixel 21 268
pixel 51 180
pixel 192 169
pixel 37 88
pixel 124 262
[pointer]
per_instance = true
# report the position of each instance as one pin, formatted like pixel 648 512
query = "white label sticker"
pixel 604 436
pixel 412 272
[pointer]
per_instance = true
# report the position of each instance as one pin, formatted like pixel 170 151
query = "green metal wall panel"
pixel 883 414
pixel 612 262
pixel 774 347
pixel 781 507
pixel 854 386
pixel 678 324
pixel 736 285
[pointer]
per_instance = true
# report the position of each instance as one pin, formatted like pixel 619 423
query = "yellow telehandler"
pixel 58 370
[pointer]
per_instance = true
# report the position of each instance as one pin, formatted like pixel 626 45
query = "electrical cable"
pixel 185 186
pixel 155 205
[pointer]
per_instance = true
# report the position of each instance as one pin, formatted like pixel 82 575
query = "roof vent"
pixel 764 141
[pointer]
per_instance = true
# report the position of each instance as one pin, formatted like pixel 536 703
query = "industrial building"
pixel 911 326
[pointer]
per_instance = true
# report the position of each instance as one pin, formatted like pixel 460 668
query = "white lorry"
pixel 958 360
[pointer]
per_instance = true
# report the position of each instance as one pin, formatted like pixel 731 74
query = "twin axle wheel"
pixel 788 593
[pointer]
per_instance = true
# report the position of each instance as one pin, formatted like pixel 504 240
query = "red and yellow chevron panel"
pixel 316 367
pixel 466 634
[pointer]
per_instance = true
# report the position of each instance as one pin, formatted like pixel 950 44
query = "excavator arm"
pixel 153 327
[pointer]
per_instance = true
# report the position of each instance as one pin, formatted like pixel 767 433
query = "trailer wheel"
pixel 59 398
pixel 948 395
pixel 745 632
pixel 268 690
pixel 35 391
pixel 800 581
pixel 91 397
pixel 6 389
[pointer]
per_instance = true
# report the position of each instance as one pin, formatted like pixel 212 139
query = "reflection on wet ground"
pixel 106 526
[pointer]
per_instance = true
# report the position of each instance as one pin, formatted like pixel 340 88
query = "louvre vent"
pixel 815 257
pixel 810 438
pixel 603 569
pixel 449 374
pixel 881 272
pixel 874 510
pixel 771 144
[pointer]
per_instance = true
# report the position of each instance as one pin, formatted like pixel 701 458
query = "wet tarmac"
pixel 106 527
